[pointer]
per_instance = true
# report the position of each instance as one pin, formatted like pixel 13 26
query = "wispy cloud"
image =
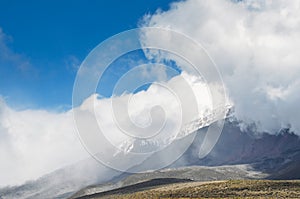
pixel 11 59
pixel 72 63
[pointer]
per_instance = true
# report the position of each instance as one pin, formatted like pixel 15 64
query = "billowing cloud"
pixel 256 46
pixel 36 142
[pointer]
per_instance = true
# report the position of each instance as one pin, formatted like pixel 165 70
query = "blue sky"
pixel 42 43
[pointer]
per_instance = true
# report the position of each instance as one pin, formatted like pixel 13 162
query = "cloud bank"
pixel 256 46
pixel 36 142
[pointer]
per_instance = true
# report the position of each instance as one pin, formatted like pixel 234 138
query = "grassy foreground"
pixel 217 189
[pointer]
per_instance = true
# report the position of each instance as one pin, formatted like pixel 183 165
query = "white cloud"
pixel 255 44
pixel 36 142
pixel 158 115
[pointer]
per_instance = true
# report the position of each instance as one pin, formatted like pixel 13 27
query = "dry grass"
pixel 218 189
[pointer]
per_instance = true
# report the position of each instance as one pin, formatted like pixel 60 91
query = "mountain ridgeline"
pixel 237 155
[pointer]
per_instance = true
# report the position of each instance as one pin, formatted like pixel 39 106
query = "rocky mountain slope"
pixel 272 156
pixel 172 175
